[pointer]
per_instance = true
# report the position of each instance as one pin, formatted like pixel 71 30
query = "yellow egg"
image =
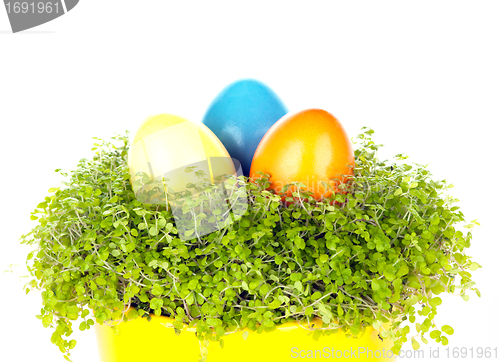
pixel 164 146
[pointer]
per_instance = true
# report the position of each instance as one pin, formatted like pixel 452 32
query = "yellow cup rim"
pixel 169 323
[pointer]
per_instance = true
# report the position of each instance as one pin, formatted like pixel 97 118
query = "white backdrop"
pixel 424 75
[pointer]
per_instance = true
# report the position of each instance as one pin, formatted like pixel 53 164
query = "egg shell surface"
pixel 310 147
pixel 166 144
pixel 240 116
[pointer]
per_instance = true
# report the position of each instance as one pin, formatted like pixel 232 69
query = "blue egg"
pixel 240 116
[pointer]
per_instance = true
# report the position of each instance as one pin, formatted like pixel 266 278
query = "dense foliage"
pixel 382 252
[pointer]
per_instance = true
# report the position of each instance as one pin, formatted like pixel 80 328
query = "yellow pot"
pixel 140 340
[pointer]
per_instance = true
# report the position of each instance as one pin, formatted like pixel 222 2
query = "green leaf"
pixel 157 289
pixel 376 284
pixel 156 303
pixel 474 266
pixel 275 304
pixel 412 300
pixel 435 334
pixel 47 320
pixel 447 329
pixel 415 344
pixel 434 302
pixel 330 244
pixel 153 231
pixel 376 325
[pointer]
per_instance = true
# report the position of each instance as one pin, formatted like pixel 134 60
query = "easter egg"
pixel 183 165
pixel 240 116
pixel 310 147
pixel 165 145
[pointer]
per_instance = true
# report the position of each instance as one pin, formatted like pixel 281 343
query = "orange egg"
pixel 310 147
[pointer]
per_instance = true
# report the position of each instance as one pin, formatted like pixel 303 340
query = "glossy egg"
pixel 310 147
pixel 240 116
pixel 164 145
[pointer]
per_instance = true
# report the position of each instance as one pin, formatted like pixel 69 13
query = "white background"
pixel 424 75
